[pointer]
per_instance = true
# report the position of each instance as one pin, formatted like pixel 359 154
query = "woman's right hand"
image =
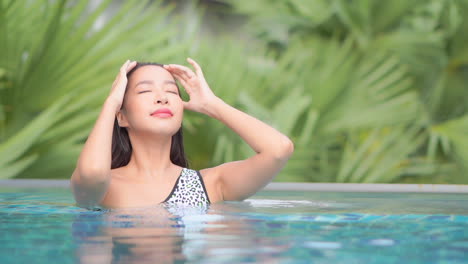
pixel 118 87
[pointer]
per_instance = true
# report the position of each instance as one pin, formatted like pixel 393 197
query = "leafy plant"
pixel 56 68
pixel 369 91
pixel 385 84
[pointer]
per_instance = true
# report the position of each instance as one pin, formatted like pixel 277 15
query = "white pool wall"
pixel 283 186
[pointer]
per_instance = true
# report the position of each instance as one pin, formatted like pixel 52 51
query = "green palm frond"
pixel 15 147
pixel 369 91
pixel 62 48
pixel 366 18
pixel 385 80
pixel 380 94
pixel 379 155
pixel 453 134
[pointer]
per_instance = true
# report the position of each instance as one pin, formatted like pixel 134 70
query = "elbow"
pixel 93 175
pixel 93 172
pixel 285 149
pixel 289 147
pixel 88 190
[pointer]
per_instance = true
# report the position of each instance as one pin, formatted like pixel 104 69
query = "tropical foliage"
pixel 56 67
pixel 376 90
pixel 370 91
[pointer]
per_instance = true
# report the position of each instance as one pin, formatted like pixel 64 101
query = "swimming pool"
pixel 41 225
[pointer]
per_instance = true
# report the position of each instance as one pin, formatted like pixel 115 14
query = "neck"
pixel 150 155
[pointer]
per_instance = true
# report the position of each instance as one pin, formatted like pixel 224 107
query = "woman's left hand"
pixel 195 85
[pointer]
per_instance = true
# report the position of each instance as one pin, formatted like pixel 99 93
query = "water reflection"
pixel 265 231
pixel 162 234
pixel 281 228
pixel 128 236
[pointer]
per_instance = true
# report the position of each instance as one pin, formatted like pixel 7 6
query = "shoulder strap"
pixel 203 185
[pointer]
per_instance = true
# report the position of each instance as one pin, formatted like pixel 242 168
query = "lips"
pixel 163 112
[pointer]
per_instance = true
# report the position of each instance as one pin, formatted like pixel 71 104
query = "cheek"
pixel 178 107
pixel 137 102
pixel 134 108
pixel 177 103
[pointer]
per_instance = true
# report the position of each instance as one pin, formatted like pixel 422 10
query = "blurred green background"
pixel 369 90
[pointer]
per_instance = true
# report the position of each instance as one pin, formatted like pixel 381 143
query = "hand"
pixel 195 85
pixel 118 87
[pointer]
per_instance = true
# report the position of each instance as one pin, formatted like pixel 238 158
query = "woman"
pixel 142 162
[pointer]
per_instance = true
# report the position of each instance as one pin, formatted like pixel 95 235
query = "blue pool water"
pixel 44 226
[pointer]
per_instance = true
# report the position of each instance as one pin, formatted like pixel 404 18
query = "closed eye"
pixel 144 91
pixel 174 92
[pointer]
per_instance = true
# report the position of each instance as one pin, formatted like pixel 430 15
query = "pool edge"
pixel 367 187
pixel 281 186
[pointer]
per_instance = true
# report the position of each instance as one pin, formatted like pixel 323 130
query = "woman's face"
pixel 152 102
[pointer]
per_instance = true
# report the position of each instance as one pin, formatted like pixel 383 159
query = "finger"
pixel 187 88
pixel 195 65
pixel 182 81
pixel 181 76
pixel 181 70
pixel 122 76
pixel 131 65
pixel 124 66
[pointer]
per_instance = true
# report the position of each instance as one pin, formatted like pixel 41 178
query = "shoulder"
pixel 210 177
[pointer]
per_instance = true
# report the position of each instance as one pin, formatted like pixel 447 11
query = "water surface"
pixel 44 226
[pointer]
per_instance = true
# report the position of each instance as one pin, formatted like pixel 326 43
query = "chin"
pixel 158 128
pixel 164 130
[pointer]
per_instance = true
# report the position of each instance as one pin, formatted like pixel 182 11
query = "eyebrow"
pixel 151 82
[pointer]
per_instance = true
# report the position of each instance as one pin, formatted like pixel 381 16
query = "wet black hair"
pixel 122 146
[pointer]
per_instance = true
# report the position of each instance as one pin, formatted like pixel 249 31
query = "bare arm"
pixel 239 179
pixel 91 177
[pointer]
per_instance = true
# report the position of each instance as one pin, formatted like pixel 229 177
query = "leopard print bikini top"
pixel 188 190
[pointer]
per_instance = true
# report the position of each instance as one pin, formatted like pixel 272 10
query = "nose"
pixel 160 98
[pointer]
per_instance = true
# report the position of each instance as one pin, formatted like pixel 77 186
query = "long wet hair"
pixel 122 147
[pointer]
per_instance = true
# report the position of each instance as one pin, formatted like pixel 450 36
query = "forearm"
pixel 261 137
pixel 95 157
